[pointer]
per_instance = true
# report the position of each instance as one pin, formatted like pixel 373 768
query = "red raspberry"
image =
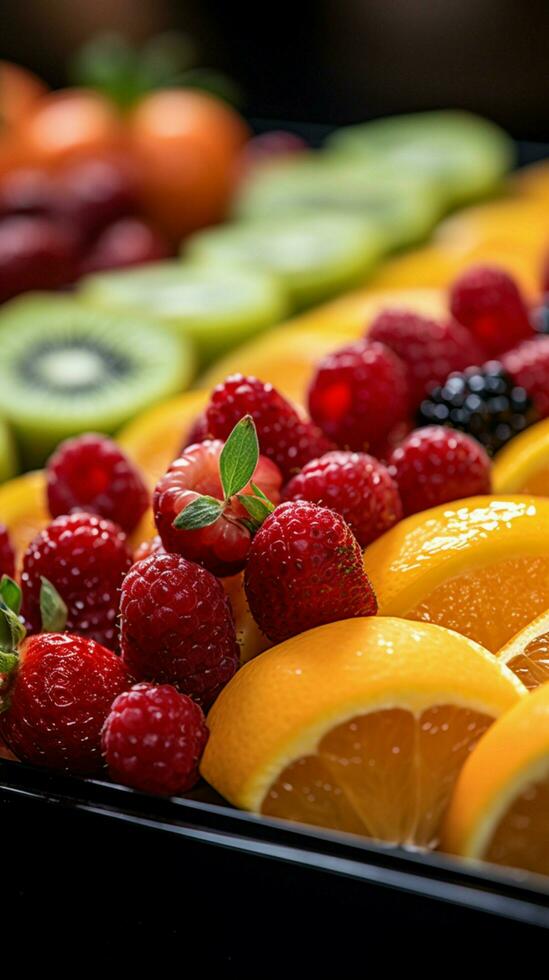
pixel 177 626
pixel 7 554
pixel 305 569
pixel 91 473
pixel 286 438
pixel 146 548
pixel 153 739
pixel 528 365
pixel 430 349
pixel 221 547
pixel 359 394
pixel 85 558
pixel 58 700
pixel 435 465
pixel 487 301
pixel 357 486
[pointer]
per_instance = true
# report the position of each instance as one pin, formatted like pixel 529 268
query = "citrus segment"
pixel 523 465
pixel 479 566
pixel 527 653
pixel 387 774
pixel 23 508
pixel 287 356
pixel 153 440
pixel 361 725
pixel 500 807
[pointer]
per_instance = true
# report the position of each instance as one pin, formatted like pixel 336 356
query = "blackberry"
pixel 540 316
pixel 484 402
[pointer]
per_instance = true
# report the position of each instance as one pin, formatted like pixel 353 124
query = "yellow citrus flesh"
pixel 523 466
pixel 154 438
pixel 23 508
pixel 527 653
pixel 361 725
pixel 287 356
pixel 500 807
pixel 250 638
pixel 479 566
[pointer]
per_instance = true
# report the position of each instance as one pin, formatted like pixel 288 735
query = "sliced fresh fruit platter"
pixel 322 589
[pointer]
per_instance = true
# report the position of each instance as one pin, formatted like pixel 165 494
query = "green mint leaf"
pixel 257 509
pixel 257 492
pixel 11 594
pixel 239 457
pixel 201 512
pixel 52 608
pixel 12 631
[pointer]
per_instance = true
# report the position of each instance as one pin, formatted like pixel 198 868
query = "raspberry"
pixel 153 739
pixel 221 547
pixel 435 465
pixel 7 554
pixel 487 301
pixel 85 558
pixel 305 569
pixel 91 473
pixel 430 349
pixel 483 402
pixel 359 394
pixel 284 436
pixel 177 626
pixel 146 548
pixel 58 700
pixel 355 485
pixel 528 366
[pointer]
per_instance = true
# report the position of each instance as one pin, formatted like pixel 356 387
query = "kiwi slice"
pixel 66 369
pixel 466 155
pixel 313 255
pixel 402 210
pixel 216 308
pixel 8 454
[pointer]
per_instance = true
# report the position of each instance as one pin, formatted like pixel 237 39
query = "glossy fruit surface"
pixel 499 808
pixel 369 723
pixel 479 566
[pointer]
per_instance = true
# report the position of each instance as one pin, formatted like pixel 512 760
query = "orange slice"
pixel 500 808
pixel 23 508
pixel 527 653
pixel 479 566
pixel 360 725
pixel 287 356
pixel 523 466
pixel 154 438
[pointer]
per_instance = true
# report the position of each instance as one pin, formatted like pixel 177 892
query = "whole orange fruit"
pixel 187 143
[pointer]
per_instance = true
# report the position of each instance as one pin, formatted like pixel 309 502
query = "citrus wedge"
pixel 479 566
pixel 360 725
pixel 523 466
pixel 500 808
pixel 154 438
pixel 288 355
pixel 527 653
pixel 23 508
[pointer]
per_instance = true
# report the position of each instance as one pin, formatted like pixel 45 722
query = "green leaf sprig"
pixel 237 465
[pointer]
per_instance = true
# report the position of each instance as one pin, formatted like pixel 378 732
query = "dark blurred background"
pixel 326 61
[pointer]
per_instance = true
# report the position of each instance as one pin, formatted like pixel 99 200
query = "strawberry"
pixel 305 569
pixel 200 483
pixel 56 690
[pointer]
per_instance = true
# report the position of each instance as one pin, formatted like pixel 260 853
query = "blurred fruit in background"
pixel 19 90
pixel 187 144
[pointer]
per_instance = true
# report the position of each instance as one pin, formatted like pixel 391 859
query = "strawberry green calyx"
pixel 237 465
pixel 53 610
pixel 12 633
